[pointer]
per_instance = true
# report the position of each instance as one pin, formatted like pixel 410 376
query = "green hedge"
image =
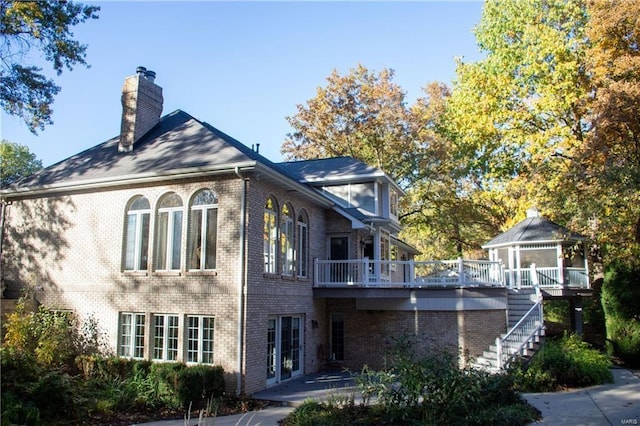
pixel 621 303
pixel 171 381
pixel 106 385
pixel 51 371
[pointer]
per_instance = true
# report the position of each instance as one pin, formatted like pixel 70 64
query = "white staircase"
pixel 525 331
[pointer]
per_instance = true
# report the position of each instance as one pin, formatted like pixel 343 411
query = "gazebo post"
pixel 560 264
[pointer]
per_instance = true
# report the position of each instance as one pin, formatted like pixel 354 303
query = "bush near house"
pixel 54 372
pixel 429 390
pixel 621 303
pixel 565 363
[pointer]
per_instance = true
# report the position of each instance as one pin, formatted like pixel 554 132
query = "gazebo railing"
pixel 548 277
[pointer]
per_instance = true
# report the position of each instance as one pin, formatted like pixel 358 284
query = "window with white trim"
pixel 385 253
pixel 203 231
pixel 169 232
pixel 200 339
pixel 270 235
pixel 303 245
pixel 393 203
pixel 165 337
pixel 131 335
pixel 287 247
pixel 137 235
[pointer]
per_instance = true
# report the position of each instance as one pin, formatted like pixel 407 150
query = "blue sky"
pixel 244 66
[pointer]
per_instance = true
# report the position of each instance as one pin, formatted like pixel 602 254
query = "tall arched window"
pixel 287 247
pixel 270 235
pixel 169 235
pixel 137 234
pixel 303 245
pixel 203 230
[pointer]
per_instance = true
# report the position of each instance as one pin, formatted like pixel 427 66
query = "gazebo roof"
pixel 534 229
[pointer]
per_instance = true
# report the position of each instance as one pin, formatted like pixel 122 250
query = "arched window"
pixel 137 234
pixel 270 235
pixel 169 235
pixel 303 245
pixel 203 230
pixel 287 247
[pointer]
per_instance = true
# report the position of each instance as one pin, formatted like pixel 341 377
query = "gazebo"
pixel 557 254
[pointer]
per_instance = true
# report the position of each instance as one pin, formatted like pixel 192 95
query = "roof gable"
pixel 334 171
pixel 179 142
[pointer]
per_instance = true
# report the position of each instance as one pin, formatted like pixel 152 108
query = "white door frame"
pixel 275 341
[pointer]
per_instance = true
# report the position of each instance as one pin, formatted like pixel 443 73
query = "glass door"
pixel 339 250
pixel 284 348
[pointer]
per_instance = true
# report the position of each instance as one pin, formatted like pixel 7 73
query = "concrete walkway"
pixel 612 404
pixel 290 394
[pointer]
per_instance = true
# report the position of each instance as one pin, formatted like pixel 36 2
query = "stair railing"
pixel 523 333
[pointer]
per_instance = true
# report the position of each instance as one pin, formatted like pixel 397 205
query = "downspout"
pixel 242 281
pixel 3 215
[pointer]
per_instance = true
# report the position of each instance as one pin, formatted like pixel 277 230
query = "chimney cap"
pixel 150 75
pixel 141 70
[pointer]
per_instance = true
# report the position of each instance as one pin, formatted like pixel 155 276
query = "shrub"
pixel 190 385
pixel 198 383
pixel 45 334
pixel 624 339
pixel 106 368
pixel 55 395
pixel 53 338
pixel 106 385
pixel 568 362
pixel 17 412
pixel 621 303
pixel 427 390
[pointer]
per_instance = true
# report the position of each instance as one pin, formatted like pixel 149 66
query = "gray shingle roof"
pixel 180 145
pixel 534 229
pixel 178 142
pixel 330 169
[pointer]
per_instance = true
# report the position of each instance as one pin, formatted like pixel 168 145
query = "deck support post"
pixel 575 308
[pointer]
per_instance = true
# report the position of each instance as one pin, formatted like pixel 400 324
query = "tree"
pixel 362 115
pixel 526 100
pixel 16 162
pixel 608 163
pixel 443 215
pixel 511 110
pixel 549 116
pixel 25 91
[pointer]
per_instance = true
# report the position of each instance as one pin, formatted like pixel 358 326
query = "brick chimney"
pixel 141 107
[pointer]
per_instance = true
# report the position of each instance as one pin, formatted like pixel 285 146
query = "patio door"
pixel 339 250
pixel 284 348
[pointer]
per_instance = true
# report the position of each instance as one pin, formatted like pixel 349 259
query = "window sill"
pixel 197 272
pixel 167 273
pixel 271 275
pixel 288 277
pixel 136 273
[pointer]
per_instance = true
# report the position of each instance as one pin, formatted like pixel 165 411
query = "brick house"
pixel 186 245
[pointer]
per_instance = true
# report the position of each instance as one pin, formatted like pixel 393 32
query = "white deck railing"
pixel 408 273
pixel 451 273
